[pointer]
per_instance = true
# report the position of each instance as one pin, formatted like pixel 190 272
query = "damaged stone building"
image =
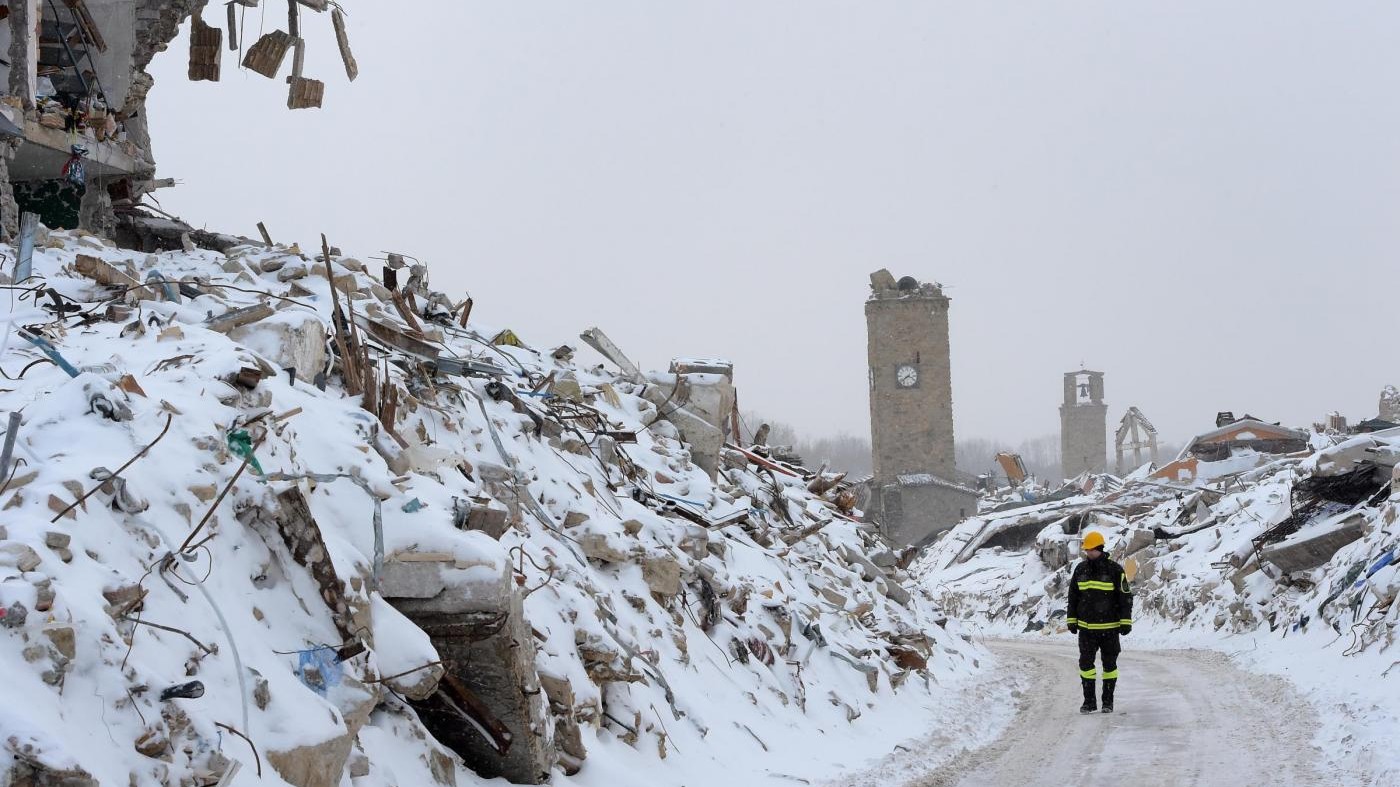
pixel 75 146
pixel 73 117
pixel 916 491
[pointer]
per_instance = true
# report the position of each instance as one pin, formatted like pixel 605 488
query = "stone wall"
pixel 912 514
pixel 1083 439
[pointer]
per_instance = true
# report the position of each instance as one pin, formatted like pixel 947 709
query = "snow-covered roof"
pixel 1252 428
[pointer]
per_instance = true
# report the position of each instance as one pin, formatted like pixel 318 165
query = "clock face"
pixel 907 376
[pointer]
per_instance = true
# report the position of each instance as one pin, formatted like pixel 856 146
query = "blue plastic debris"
pixel 1381 562
pixel 413 506
pixel 318 669
pixel 48 349
pixel 171 293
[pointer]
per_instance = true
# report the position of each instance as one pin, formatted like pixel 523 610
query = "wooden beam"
pixel 342 40
pixel 232 27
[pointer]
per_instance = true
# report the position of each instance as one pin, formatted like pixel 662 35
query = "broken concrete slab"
pixel 595 338
pixel 1307 550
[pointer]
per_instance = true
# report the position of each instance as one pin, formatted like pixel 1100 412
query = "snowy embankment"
pixel 1327 623
pixel 162 526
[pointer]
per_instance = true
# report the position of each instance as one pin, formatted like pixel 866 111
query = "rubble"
pixel 1263 534
pixel 372 528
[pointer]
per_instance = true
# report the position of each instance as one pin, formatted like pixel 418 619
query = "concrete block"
pixel 599 547
pixel 1135 540
pixel 1300 554
pixel 662 574
pixel 294 340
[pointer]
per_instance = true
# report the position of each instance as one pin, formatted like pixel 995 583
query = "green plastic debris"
pixel 241 444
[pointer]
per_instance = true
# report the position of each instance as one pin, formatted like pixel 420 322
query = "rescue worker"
pixel 1100 611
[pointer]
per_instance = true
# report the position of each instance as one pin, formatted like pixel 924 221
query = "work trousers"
pixel 1104 642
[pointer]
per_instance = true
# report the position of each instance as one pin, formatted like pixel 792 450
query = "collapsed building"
pixel 1235 444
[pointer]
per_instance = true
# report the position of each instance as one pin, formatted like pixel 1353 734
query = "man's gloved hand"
pixel 1074 628
pixel 1125 630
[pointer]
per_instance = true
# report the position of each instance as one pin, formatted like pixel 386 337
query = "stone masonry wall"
pixel 1083 439
pixel 911 428
pixel 928 510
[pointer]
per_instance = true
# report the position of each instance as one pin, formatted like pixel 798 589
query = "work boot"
pixel 1108 685
pixel 1089 705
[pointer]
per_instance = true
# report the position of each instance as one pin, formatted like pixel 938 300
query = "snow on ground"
pixel 777 646
pixel 1198 583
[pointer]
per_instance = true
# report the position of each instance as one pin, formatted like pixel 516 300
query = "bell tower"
pixel 1083 425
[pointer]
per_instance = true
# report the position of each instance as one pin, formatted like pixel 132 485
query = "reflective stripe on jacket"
pixel 1100 598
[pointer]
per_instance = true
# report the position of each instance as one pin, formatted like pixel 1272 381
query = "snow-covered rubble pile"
pixel 1291 560
pixel 728 626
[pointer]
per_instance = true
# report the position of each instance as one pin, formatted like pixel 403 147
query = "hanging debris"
pixel 205 50
pixel 352 69
pixel 266 55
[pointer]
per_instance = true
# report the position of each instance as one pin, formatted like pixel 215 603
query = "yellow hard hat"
pixel 1093 540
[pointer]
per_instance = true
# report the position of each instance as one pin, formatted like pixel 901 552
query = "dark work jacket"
pixel 1099 596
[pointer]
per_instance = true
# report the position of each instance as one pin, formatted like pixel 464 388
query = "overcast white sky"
pixel 1200 198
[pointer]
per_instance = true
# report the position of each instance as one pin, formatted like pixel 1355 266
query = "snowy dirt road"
pixel 1183 718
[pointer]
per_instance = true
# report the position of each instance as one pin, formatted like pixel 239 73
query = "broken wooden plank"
pixel 402 306
pixel 103 272
pixel 266 55
pixel 763 461
pixel 345 343
pixel 352 69
pixel 232 319
pixel 206 49
pixel 298 58
pixel 262 230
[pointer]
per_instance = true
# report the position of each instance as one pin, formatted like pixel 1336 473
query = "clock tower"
pixel 911 404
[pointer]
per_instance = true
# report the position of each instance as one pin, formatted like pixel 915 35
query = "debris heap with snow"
pixel 1288 557
pixel 268 515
